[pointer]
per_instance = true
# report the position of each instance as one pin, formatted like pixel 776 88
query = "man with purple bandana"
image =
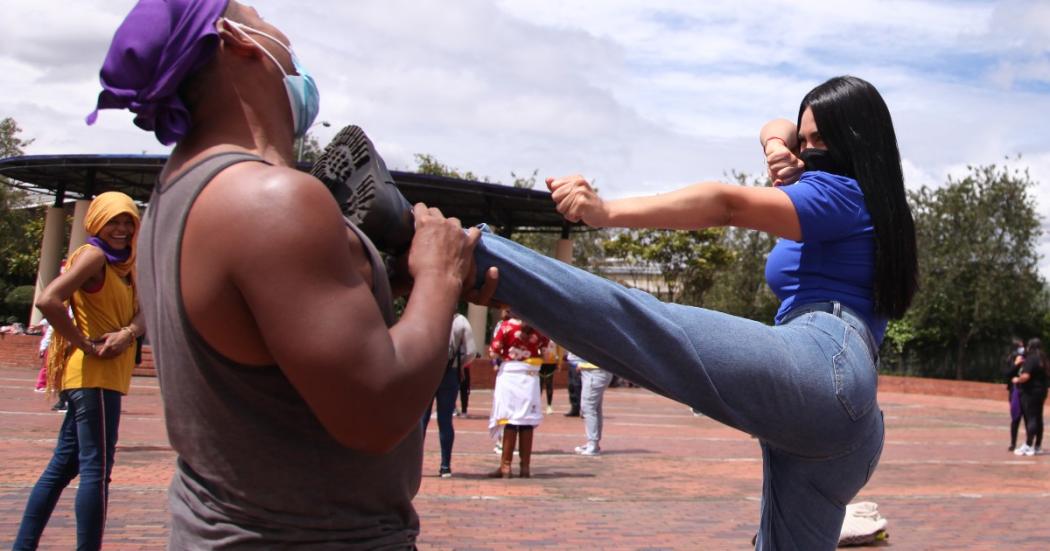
pixel 291 396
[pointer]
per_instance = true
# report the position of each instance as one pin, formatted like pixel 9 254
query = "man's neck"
pixel 242 130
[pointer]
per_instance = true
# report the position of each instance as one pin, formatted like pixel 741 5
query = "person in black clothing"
pixel 1032 382
pixel 464 389
pixel 574 386
pixel 1010 368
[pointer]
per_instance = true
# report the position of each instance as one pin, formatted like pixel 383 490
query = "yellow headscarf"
pixel 103 208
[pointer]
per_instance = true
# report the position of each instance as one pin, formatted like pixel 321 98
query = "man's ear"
pixel 236 40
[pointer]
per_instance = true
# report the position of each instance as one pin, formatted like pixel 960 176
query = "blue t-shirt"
pixel 835 260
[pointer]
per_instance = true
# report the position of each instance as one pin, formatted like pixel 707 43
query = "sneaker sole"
pixel 357 177
pixel 864 539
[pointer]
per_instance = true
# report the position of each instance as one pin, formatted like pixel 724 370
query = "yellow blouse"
pixel 98 313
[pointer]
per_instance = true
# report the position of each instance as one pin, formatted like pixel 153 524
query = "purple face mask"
pixel 159 44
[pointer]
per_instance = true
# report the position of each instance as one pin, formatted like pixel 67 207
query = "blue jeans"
pixel 86 444
pixel 446 403
pixel 806 389
pixel 574 387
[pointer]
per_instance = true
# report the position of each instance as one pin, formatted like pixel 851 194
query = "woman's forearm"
pixel 780 129
pixel 136 326
pixel 58 317
pixel 694 207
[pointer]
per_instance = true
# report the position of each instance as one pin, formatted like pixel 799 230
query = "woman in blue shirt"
pixel 805 387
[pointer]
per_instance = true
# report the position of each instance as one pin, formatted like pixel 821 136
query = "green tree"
pixel 979 281
pixel 678 266
pixel 19 299
pixel 526 182
pixel 740 287
pixel 310 149
pixel 428 164
pixel 20 227
pixel 11 145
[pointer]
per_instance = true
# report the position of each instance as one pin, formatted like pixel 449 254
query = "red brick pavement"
pixel 667 480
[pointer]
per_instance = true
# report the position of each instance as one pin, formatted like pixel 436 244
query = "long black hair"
pixel 1035 348
pixel 855 125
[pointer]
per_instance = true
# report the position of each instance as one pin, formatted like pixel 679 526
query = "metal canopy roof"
pixel 85 176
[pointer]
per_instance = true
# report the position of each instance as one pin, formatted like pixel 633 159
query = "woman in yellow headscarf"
pixel 90 361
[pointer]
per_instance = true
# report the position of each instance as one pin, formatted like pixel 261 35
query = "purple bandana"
pixel 113 256
pixel 158 45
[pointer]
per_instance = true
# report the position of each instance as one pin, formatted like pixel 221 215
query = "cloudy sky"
pixel 642 96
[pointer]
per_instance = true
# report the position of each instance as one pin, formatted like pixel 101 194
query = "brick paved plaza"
pixel 667 480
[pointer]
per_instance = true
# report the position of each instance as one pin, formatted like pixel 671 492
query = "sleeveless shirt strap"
pixel 380 282
pixel 212 166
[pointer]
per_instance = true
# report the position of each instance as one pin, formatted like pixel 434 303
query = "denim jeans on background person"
pixel 806 389
pixel 593 382
pixel 446 403
pixel 573 387
pixel 86 444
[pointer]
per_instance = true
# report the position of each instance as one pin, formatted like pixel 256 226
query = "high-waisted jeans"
pixel 86 445
pixel 806 389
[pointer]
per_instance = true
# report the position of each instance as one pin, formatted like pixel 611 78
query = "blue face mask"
pixel 303 97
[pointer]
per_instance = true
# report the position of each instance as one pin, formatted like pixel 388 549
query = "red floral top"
pixel 518 342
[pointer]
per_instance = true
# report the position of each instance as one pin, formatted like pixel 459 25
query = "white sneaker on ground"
pixel 862 525
pixel 1023 449
pixel 550 410
pixel 1029 451
pixel 588 449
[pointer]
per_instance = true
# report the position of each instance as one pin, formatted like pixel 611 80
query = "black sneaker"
pixel 445 472
pixel 60 406
pixel 357 176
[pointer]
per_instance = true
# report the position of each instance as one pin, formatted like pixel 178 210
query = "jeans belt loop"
pixel 836 309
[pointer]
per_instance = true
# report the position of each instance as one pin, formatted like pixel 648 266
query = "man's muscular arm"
pixel 367 384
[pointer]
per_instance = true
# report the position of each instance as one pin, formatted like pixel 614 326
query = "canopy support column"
pixel 50 250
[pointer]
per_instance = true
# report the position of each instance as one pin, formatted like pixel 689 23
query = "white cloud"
pixel 642 96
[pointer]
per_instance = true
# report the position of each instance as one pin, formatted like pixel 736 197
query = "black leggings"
pixel 1032 408
pixel 547 380
pixel 1015 414
pixel 464 389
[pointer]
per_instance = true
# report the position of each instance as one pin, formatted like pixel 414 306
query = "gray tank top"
pixel 256 469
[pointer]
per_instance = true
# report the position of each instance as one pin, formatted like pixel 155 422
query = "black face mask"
pixel 821 159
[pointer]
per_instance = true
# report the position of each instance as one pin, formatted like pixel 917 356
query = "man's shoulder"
pixel 258 183
pixel 254 195
pixel 255 208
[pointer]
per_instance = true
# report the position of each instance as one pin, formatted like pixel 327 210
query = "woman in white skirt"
pixel 516 405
